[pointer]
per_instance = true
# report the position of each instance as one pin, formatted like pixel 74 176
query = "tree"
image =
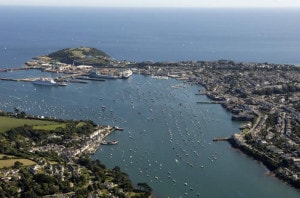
pixel 17 165
pixel 117 169
pixel 144 187
pixel 22 114
pixel 16 110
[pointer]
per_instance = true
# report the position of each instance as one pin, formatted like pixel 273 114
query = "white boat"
pixel 98 74
pixel 106 74
pixel 48 82
pixel 127 73
pixel 161 77
pixel 45 81
pixel 114 142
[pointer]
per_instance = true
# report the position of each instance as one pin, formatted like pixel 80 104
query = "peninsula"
pixel 42 157
pixel 265 96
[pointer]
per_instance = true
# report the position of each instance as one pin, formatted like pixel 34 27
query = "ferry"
pixel 111 75
pixel 127 73
pixel 97 74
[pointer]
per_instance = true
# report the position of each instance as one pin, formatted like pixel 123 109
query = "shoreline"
pixel 237 141
pixel 265 95
pixel 64 161
pixel 268 164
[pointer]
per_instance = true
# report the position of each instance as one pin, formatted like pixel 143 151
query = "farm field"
pixel 7 123
pixel 11 162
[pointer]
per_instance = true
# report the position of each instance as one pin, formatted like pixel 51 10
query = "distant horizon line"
pixel 157 7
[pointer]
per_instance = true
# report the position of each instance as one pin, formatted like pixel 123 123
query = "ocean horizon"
pixel 143 34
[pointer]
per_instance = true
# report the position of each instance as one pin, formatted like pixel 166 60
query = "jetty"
pixel 8 79
pixel 13 69
pixel 221 139
pixel 210 102
pixel 89 78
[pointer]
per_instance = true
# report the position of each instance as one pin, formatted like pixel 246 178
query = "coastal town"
pixel 264 96
pixel 57 162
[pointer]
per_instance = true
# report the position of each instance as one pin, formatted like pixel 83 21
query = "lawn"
pixel 11 162
pixel 49 127
pixel 7 123
pixel 7 156
pixel 80 124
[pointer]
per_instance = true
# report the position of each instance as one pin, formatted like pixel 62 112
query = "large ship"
pixel 48 82
pixel 109 74
pixel 127 73
pixel 98 74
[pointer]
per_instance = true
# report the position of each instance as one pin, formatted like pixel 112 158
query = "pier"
pixel 210 102
pixel 88 78
pixel 221 139
pixel 12 69
pixel 20 80
pixel 8 79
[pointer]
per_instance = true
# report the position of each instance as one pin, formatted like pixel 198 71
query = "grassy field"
pixel 7 156
pixel 7 123
pixel 80 124
pixel 11 162
pixel 50 127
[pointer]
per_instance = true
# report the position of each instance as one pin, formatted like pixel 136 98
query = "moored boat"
pixel 111 74
pixel 113 142
pixel 127 73
pixel 48 82
pixel 98 74
pixel 45 81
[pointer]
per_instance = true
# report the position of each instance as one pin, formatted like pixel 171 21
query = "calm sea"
pixel 260 35
pixel 167 137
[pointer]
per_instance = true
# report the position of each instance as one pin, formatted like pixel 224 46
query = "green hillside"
pixel 81 56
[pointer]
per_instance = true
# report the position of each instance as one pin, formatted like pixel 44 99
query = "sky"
pixel 155 3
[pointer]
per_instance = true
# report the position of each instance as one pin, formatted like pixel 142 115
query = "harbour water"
pixel 167 137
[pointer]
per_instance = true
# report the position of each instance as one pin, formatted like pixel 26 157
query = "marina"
pixel 72 78
pixel 167 138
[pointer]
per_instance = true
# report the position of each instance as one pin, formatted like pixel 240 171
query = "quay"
pixel 88 78
pixel 12 69
pixel 210 102
pixel 20 80
pixel 8 79
pixel 78 81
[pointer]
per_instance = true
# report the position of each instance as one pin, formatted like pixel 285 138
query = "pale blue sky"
pixel 156 3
